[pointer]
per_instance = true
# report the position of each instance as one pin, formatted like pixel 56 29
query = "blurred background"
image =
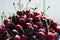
pixel 53 12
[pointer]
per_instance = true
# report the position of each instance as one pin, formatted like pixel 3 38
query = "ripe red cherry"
pixel 23 17
pixel 54 25
pixel 36 13
pixel 50 36
pixel 17 37
pixel 35 27
pixel 24 37
pixel 58 29
pixel 21 21
pixel 40 34
pixel 52 30
pixel 29 15
pixel 42 30
pixel 2 28
pixel 28 24
pixel 29 20
pixel 18 27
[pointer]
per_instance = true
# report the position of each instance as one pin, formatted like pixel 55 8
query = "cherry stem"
pixel 14 6
pixel 2 18
pixel 47 26
pixel 27 4
pixel 31 22
pixel 43 13
pixel 23 30
pixel 9 38
pixel 19 5
pixel 40 20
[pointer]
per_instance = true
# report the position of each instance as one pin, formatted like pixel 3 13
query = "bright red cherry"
pixel 18 27
pixel 58 29
pixel 50 36
pixel 17 37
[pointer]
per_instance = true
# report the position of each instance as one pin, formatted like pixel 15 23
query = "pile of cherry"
pixel 29 26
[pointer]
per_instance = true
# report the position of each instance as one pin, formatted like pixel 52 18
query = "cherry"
pixel 50 36
pixel 10 17
pixel 52 30
pixel 41 35
pixel 23 17
pixel 24 37
pixel 35 27
pixel 53 25
pixel 36 13
pixel 56 36
pixel 58 29
pixel 19 13
pixel 29 15
pixel 17 37
pixel 14 19
pixel 32 37
pixel 29 31
pixel 5 22
pixel 22 21
pixel 28 24
pixel 37 18
pixel 18 27
pixel 14 32
pixel 42 30
pixel 40 24
pixel 2 28
pixel 27 11
pixel 30 20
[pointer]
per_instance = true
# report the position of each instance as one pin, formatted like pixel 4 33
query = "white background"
pixel 53 12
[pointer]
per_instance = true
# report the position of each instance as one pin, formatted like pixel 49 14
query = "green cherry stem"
pixel 47 8
pixel 2 17
pixel 27 4
pixel 43 13
pixel 14 6
pixel 23 30
pixel 47 26
pixel 19 5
